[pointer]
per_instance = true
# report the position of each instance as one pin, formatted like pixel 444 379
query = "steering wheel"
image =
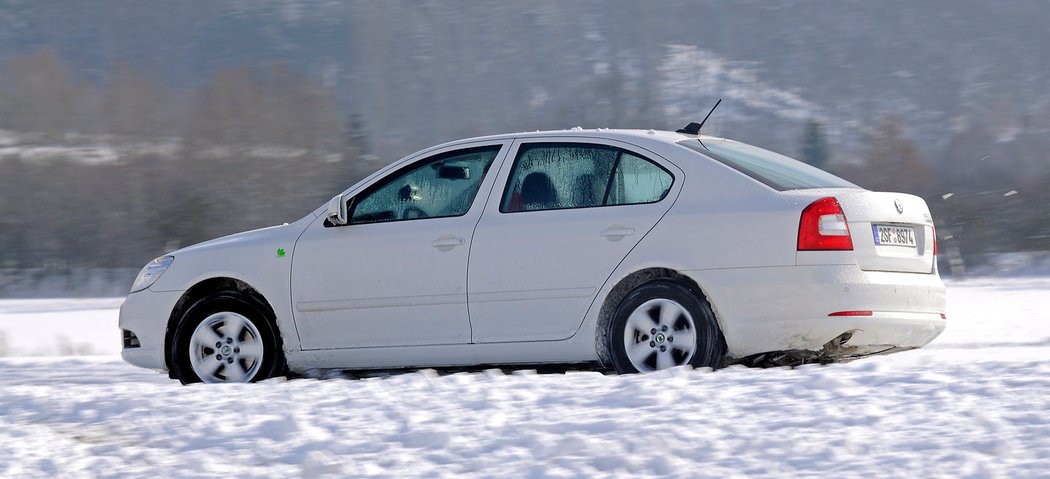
pixel 413 212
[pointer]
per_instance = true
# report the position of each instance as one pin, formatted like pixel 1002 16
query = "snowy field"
pixel 975 403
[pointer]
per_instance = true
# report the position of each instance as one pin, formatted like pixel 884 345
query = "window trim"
pixel 353 201
pixel 612 178
pixel 521 147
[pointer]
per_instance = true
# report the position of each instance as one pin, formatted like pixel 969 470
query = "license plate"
pixel 894 235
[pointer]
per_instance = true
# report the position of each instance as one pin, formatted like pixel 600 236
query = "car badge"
pixel 900 207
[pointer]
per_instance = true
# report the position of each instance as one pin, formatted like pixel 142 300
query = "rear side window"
pixel 772 169
pixel 549 176
pixel 637 180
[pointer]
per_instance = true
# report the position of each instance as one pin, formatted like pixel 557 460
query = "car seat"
pixel 537 192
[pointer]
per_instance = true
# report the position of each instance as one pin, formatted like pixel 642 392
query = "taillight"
pixel 823 227
pixel 934 240
pixel 851 313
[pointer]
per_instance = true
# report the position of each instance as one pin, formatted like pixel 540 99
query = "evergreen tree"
pixel 814 144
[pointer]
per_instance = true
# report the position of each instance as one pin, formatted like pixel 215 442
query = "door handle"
pixel 617 232
pixel 447 242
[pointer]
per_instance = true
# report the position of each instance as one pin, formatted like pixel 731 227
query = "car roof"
pixel 628 136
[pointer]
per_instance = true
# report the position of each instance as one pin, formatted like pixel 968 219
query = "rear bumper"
pixel 145 314
pixel 838 337
pixel 787 309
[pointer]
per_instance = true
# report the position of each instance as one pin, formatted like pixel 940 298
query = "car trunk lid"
pixel 890 231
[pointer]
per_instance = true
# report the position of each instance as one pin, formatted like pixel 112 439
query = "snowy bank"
pixel 975 403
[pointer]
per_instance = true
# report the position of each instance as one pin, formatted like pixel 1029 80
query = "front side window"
pixel 548 176
pixel 440 186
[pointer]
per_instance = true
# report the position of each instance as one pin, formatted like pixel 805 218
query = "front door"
pixel 396 274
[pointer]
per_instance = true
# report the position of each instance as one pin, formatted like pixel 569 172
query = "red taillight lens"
pixel 934 240
pixel 823 227
pixel 851 313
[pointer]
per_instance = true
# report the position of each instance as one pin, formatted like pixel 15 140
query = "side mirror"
pixel 337 210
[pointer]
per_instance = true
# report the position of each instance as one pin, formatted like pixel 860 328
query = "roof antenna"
pixel 694 128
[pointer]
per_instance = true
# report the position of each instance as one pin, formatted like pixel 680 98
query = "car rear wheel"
pixel 663 324
pixel 226 337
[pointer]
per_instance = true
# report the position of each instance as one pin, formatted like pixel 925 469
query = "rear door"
pixel 561 217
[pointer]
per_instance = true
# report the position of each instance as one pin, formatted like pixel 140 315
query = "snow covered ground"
pixel 975 403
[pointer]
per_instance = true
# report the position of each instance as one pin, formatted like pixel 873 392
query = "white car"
pixel 625 249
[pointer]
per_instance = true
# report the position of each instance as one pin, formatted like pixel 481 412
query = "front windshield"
pixel 772 169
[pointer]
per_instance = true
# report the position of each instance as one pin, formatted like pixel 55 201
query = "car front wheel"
pixel 226 337
pixel 663 324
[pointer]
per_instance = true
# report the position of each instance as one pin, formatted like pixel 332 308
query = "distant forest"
pixel 128 129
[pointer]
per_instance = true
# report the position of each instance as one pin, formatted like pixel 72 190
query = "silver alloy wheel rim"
pixel 659 334
pixel 226 347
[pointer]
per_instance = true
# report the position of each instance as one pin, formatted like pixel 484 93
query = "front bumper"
pixel 145 314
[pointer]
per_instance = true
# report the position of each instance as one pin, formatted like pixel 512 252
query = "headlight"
pixel 151 272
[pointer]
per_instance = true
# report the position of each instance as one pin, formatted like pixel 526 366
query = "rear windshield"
pixel 772 169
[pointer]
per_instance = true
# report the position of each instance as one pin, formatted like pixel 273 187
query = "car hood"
pixel 256 256
pixel 238 240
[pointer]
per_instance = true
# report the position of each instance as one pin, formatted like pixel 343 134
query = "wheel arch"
pixel 624 287
pixel 208 287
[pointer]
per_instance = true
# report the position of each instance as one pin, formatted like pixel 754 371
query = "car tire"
pixel 663 324
pixel 231 323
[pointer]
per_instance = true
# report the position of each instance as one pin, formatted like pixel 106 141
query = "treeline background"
pixel 128 129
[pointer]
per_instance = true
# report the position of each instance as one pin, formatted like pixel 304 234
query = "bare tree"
pixel 40 94
pixel 893 162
